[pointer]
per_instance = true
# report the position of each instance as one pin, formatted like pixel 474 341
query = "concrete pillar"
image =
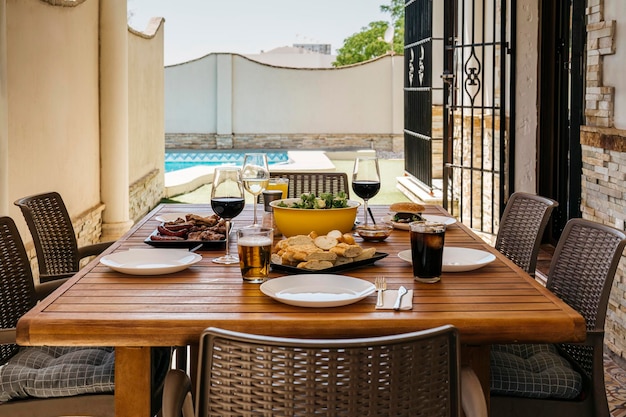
pixel 114 173
pixel 4 119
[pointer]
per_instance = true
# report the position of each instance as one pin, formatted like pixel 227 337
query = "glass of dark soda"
pixel 427 250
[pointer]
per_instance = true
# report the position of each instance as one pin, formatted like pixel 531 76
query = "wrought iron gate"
pixel 418 58
pixel 470 86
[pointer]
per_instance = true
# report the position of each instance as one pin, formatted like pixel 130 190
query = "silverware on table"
pixel 381 285
pixel 401 292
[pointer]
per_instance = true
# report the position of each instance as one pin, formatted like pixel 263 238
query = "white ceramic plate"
pixel 150 261
pixel 430 217
pixel 458 259
pixel 317 290
pixel 170 217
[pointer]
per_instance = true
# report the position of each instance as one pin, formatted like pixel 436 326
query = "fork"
pixel 381 285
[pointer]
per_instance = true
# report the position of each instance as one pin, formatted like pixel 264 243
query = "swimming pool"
pixel 175 161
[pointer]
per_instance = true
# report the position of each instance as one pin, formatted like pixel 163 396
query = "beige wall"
pixel 53 129
pixel 145 120
pixel 50 67
pixel 225 94
pixel 146 135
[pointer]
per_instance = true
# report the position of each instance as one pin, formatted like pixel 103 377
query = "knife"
pixel 401 292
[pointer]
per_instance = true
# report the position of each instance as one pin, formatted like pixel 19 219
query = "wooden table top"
pixel 495 304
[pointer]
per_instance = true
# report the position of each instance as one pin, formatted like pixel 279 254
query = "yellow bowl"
pixel 294 221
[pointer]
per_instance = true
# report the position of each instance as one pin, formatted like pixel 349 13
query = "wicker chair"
pixel 521 228
pixel 48 220
pixel 50 381
pixel 17 296
pixel 314 182
pixel 251 375
pixel 581 274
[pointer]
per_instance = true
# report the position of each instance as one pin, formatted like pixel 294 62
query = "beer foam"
pixel 254 241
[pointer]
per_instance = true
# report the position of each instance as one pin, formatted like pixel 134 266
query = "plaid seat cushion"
pixel 534 371
pixel 57 372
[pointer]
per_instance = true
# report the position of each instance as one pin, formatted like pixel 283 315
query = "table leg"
pixel 477 358
pixel 132 381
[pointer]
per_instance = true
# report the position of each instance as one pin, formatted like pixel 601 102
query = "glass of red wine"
pixel 227 201
pixel 366 180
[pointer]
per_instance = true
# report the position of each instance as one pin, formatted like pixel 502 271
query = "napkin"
pixel 389 299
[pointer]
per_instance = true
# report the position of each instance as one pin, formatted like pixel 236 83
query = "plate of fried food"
pixel 189 231
pixel 313 253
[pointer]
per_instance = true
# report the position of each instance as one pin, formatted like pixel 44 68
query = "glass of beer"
pixel 427 250
pixel 254 245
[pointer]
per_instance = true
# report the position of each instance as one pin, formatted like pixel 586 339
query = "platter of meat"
pixel 190 231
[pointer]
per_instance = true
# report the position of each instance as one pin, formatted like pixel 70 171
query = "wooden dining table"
pixel 497 303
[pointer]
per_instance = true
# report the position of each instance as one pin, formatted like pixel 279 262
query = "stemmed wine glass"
pixel 366 180
pixel 227 201
pixel 255 176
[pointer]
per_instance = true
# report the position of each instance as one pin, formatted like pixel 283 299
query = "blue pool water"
pixel 180 160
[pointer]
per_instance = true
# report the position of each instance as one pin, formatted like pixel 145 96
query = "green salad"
pixel 324 201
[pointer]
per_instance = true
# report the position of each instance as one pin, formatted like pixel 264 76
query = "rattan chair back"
pixel 400 375
pixel 521 228
pixel 314 182
pixel 50 225
pixel 17 291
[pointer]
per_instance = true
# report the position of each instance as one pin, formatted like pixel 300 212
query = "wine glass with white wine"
pixel 255 176
pixel 227 201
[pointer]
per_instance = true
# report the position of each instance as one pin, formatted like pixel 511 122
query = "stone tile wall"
pixel 146 194
pixel 599 98
pixel 603 188
pixel 211 141
pixel 604 201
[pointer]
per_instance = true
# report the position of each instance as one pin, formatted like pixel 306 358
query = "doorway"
pixel 561 96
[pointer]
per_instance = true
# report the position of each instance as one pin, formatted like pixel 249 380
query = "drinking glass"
pixel 254 245
pixel 227 201
pixel 427 239
pixel 255 176
pixel 366 180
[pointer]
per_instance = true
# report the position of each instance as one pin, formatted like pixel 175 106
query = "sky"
pixel 194 28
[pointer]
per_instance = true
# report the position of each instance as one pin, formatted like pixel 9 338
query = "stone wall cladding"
pixel 603 199
pixel 599 99
pixel 603 189
pixel 211 141
pixel 146 194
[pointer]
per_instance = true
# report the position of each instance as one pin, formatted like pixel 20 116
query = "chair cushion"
pixel 57 372
pixel 533 371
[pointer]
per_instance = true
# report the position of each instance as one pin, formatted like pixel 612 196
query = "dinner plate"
pixel 458 259
pixel 150 261
pixel 337 268
pixel 447 220
pixel 170 217
pixel 317 290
